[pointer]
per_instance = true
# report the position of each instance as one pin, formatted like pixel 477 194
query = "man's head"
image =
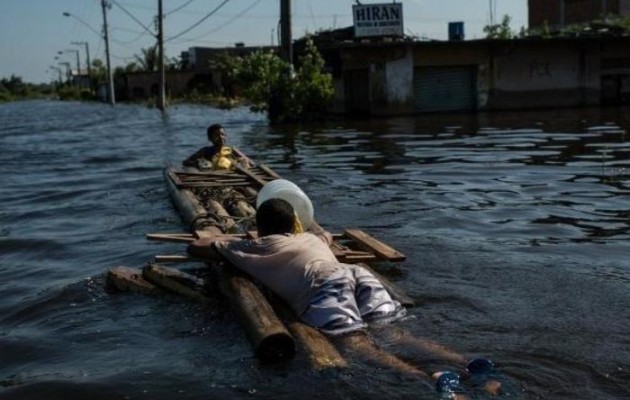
pixel 216 134
pixel 274 216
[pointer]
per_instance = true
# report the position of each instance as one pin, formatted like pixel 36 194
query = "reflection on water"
pixel 515 227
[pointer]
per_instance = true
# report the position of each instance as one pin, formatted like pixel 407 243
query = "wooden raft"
pixel 269 337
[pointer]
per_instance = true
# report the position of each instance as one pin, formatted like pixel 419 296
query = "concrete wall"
pixel 512 74
pixel 143 85
pixel 545 74
pixel 399 83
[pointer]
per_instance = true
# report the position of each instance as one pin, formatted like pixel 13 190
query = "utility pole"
pixel 87 57
pixel 110 86
pixel 162 90
pixel 286 47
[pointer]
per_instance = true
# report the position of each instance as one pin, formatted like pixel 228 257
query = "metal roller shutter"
pixel 444 88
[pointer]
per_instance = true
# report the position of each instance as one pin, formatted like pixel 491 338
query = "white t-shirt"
pixel 290 265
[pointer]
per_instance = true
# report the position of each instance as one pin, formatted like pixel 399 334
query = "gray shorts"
pixel 348 299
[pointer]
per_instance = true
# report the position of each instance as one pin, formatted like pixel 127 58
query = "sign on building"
pixel 378 20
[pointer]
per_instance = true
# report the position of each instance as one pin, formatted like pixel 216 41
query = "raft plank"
pixel 169 237
pixel 209 234
pixel 173 176
pixel 269 171
pixel 379 248
pixel 213 184
pixel 250 175
pixel 130 280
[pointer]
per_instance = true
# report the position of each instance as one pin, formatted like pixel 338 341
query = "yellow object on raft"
pixel 223 159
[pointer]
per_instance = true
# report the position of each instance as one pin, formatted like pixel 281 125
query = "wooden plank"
pixel 269 171
pixel 251 176
pixel 214 184
pixel 167 237
pixel 211 234
pixel 379 248
pixel 173 176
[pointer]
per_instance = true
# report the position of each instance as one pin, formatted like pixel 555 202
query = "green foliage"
pixel 259 74
pixel 14 88
pixel 271 85
pixel 69 92
pixel 313 87
pixel 148 60
pixel 501 30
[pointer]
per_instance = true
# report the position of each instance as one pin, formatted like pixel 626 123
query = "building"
pixel 556 14
pixel 196 74
pixel 398 78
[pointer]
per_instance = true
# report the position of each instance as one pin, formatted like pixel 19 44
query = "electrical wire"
pixel 134 18
pixel 218 28
pixel 198 22
pixel 178 8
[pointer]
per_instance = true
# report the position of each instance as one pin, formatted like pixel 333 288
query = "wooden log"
pixel 190 209
pixel 130 280
pixel 269 337
pixel 176 281
pixel 377 247
pixel 224 217
pixel 320 351
pixel 242 209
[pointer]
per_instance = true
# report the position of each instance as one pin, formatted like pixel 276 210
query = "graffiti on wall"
pixel 540 68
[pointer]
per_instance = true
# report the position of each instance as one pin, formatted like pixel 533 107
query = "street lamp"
pixel 87 56
pixel 76 52
pixel 52 67
pixel 110 86
pixel 67 14
pixel 68 69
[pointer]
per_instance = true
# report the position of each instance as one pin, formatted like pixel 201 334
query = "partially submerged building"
pixel 393 78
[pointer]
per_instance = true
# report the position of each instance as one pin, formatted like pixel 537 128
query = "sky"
pixel 33 32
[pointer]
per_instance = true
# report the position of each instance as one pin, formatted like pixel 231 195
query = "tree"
pixel 500 31
pixel 148 60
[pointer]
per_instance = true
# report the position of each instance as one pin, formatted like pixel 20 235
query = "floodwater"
pixel 516 228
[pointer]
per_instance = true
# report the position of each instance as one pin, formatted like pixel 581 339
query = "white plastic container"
pixel 292 194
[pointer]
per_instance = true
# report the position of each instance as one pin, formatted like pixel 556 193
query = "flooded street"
pixel 516 228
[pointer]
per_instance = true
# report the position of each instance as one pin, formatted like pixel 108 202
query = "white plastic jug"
pixel 292 194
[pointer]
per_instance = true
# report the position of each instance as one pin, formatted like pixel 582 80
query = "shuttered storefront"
pixel 445 88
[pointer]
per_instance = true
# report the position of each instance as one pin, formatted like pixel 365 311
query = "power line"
pixel 198 22
pixel 178 8
pixel 133 17
pixel 218 28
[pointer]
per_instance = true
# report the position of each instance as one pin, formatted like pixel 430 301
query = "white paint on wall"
pixel 399 76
